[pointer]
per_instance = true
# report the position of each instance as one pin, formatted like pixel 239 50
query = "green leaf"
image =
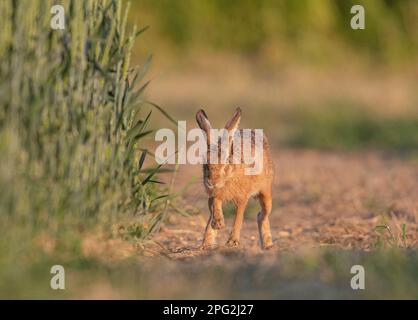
pixel 154 171
pixel 160 197
pixel 162 111
pixel 142 159
pixel 137 128
pixel 156 181
pixel 144 70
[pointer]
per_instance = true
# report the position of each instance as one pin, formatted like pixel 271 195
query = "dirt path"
pixel 320 199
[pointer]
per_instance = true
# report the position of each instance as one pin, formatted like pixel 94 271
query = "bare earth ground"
pixel 331 199
pixel 319 199
pixel 326 208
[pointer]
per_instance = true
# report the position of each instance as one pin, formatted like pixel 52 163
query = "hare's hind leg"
pixel 233 240
pixel 263 220
pixel 210 233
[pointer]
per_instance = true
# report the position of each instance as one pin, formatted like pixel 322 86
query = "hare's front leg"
pixel 263 220
pixel 210 233
pixel 218 221
pixel 233 240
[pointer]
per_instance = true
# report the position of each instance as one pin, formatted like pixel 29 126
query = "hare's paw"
pixel 268 246
pixel 218 223
pixel 207 246
pixel 232 243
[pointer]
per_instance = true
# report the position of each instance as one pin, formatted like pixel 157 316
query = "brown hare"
pixel 228 181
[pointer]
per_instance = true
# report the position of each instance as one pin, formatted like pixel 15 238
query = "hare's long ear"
pixel 232 126
pixel 203 122
pixel 233 123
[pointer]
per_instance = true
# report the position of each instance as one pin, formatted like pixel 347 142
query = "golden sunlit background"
pixel 78 112
pixel 295 67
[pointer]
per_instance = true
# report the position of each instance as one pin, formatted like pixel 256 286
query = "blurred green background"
pixel 296 68
pixel 282 29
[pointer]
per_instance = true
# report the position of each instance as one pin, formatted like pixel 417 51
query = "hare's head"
pixel 219 143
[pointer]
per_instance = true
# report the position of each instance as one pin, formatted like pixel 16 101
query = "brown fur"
pixel 228 182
